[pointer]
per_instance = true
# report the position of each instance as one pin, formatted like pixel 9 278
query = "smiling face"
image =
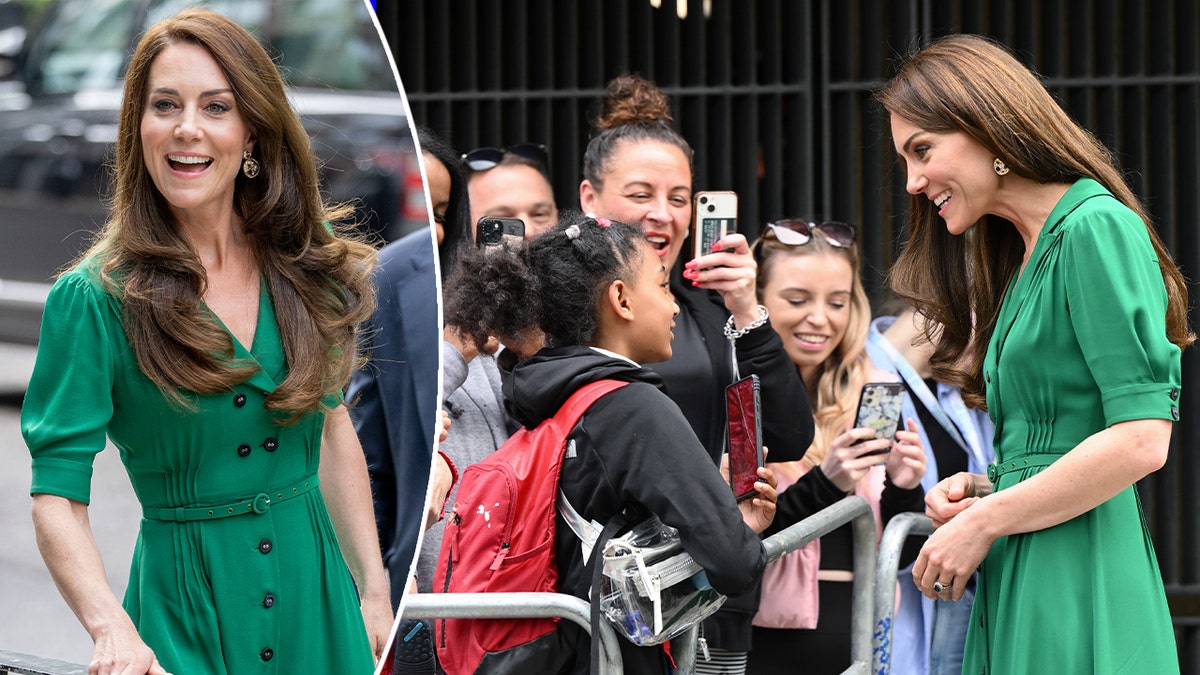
pixel 808 298
pixel 654 309
pixel 649 186
pixel 951 169
pixel 192 132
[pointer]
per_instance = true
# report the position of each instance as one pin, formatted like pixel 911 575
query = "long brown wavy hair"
pixel 319 281
pixel 834 391
pixel 972 85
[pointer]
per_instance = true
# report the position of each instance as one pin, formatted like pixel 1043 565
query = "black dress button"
pixel 244 450
pixel 239 399
pixel 267 654
pixel 265 546
pixel 1174 393
pixel 269 601
pixel 270 444
pixel 1175 413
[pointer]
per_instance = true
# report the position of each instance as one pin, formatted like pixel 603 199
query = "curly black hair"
pixel 553 282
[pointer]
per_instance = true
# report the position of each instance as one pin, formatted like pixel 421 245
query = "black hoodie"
pixel 634 450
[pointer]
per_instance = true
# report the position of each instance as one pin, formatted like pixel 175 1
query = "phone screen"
pixel 879 408
pixel 745 435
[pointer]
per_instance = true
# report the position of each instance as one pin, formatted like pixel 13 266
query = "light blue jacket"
pixel 913 626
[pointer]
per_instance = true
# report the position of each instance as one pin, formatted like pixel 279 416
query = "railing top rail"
pixel 25 664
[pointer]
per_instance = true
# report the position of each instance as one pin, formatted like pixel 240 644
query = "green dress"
pixel 1080 345
pixel 236 568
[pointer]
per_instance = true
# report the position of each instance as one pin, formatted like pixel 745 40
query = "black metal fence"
pixel 775 95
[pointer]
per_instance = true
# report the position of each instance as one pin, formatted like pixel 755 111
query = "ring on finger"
pixel 939 587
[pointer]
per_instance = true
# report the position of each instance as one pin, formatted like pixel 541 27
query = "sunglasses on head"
pixel 482 159
pixel 794 232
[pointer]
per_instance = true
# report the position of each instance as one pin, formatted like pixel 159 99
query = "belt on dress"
pixel 257 504
pixel 997 469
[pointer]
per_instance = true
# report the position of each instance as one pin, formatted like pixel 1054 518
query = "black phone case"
pixel 879 408
pixel 743 402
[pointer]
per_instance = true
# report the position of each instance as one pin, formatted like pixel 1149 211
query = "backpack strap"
pixel 595 569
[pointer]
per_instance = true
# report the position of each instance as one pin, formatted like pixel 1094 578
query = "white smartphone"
pixel 714 215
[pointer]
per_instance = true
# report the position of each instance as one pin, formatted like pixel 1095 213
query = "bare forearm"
pixel 347 493
pixel 1095 471
pixel 64 537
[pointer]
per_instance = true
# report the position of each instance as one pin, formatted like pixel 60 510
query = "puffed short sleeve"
pixel 1118 303
pixel 69 402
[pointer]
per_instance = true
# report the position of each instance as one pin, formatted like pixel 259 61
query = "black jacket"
pixel 787 419
pixel 634 450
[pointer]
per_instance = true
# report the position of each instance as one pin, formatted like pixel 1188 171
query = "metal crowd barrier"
pixel 516 606
pixel 24 664
pixel 898 529
pixel 852 509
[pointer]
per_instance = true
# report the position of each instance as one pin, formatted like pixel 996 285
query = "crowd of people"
pixel 226 305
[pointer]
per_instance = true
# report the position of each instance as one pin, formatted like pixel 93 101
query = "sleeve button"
pixel 1174 393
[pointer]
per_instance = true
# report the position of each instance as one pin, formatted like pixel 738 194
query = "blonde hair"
pixel 834 392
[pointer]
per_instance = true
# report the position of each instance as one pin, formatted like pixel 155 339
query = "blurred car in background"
pixel 58 121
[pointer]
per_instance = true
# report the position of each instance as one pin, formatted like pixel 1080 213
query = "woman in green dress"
pixel 207 334
pixel 1059 307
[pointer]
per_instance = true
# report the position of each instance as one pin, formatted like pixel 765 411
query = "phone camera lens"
pixel 712 207
pixel 704 200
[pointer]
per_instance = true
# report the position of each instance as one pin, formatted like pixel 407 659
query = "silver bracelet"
pixel 732 334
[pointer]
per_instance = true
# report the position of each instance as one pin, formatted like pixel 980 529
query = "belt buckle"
pixel 260 503
pixel 993 472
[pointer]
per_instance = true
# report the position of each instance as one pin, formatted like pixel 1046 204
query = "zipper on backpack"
pixel 500 556
pixel 446 589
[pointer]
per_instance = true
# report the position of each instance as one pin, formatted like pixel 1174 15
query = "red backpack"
pixel 500 538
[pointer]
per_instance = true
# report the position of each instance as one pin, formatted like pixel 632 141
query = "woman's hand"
pixel 466 345
pixel 845 464
pixel 441 481
pixel 952 495
pixel 377 617
pixel 950 557
pixel 759 511
pixel 730 271
pixel 121 651
pixel 906 461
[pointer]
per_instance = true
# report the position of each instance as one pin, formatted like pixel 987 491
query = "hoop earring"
pixel 250 165
pixel 999 166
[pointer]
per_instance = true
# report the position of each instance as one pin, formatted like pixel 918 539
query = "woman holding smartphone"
pixel 809 280
pixel 637 169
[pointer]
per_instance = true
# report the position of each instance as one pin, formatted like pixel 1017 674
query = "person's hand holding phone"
pixel 851 456
pixel 906 461
pixel 759 511
pixel 729 270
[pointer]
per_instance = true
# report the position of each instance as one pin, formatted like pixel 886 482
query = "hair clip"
pixel 603 222
pixel 572 232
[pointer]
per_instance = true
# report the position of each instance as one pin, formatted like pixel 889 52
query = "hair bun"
pixel 630 99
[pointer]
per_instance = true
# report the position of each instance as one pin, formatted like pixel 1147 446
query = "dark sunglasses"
pixel 482 159
pixel 795 232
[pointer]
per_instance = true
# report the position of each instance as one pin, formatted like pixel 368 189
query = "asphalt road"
pixel 34 619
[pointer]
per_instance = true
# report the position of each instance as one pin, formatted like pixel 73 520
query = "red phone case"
pixel 744 444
